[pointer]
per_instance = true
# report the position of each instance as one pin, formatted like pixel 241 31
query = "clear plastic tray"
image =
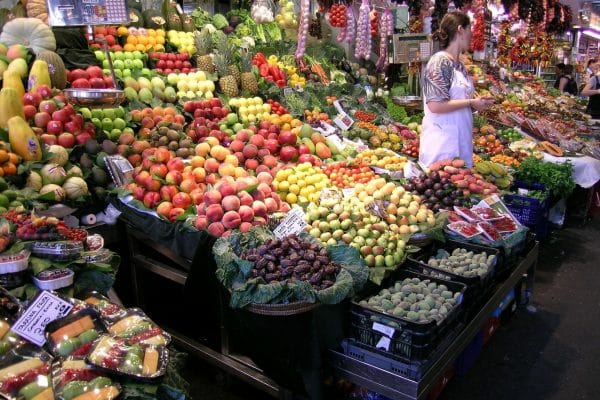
pixel 65 250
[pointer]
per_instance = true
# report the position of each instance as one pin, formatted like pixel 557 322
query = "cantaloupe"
pixel 73 329
pixel 19 368
pixel 56 68
pixel 150 361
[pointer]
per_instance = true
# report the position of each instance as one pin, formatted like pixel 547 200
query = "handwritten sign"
pixel 293 223
pixel 45 308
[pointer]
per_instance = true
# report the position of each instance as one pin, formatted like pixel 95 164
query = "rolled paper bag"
pixel 89 219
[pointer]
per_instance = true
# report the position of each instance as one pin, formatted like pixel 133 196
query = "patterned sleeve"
pixel 437 78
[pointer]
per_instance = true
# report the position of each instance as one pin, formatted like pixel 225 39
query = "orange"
pixel 151 40
pixel 122 31
pixel 9 168
pixel 132 39
pixel 3 156
pixel 13 158
pixel 142 40
pixel 140 47
pixel 160 32
pixel 129 47
pixel 160 40
pixel 151 32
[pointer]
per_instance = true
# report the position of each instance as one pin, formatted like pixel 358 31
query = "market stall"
pixel 257 172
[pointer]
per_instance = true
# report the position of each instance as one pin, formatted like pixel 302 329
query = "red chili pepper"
pixel 84 374
pixel 140 337
pixel 263 70
pixel 82 350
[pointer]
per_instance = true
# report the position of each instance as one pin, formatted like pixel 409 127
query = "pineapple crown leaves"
pixel 203 41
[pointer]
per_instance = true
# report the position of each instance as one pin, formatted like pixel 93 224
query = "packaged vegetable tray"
pixel 141 361
pixel 74 379
pixel 13 269
pixel 75 333
pixel 410 334
pixel 10 306
pixel 25 373
pixel 478 281
pixel 135 327
pixel 65 250
pixel 8 339
pixel 109 311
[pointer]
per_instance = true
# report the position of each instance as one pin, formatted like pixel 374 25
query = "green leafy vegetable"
pixel 397 113
pixel 558 178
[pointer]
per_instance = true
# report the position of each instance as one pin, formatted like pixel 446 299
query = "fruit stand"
pixel 259 169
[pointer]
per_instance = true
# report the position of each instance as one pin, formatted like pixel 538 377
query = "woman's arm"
pixel 440 107
pixel 588 90
pixel 562 84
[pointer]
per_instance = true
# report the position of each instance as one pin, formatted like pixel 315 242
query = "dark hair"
pixel 449 27
pixel 560 66
pixel 568 70
pixel 591 61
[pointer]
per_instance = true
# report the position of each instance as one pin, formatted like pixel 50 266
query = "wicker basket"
pixel 281 310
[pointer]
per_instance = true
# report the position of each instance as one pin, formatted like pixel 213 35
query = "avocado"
pixel 99 175
pixel 10 194
pixel 3 185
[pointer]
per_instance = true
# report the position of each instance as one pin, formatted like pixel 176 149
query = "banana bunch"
pixel 494 173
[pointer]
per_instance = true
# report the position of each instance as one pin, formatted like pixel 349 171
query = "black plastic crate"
pixel 409 340
pixel 477 287
pixel 413 371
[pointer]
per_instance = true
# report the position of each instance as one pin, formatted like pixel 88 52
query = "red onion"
pixel 362 48
pixel 386 28
pixel 303 28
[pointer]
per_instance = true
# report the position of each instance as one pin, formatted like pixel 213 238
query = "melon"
pixel 59 155
pixel 34 180
pixel 53 173
pixel 75 171
pixel 59 192
pixel 75 187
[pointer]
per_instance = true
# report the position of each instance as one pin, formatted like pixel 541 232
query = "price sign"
pixel 348 192
pixel 293 223
pixel 343 121
pixel 45 308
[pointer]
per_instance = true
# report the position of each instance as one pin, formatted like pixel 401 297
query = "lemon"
pixel 294 188
pixel 291 198
pixel 292 179
pixel 283 186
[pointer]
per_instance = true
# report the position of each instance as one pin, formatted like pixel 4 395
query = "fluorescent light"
pixel 591 33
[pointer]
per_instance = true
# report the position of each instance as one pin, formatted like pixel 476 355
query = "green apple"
pixel 107 124
pixel 119 123
pixel 97 122
pixel 128 129
pixel 118 55
pixel 130 93
pixel 100 56
pixel 86 112
pixel 229 131
pixel 237 127
pixel 128 63
pixel 172 78
pixel 106 72
pixel 115 134
pixel 105 64
pixel 138 55
pixel 127 55
pixel 109 113
pixel 120 112
pixel 126 73
pixel 97 113
pixel 223 127
pixel 138 64
pixel 146 72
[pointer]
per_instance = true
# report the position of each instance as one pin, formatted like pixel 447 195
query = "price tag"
pixel 386 330
pixel 330 194
pixel 523 191
pixel 45 308
pixel 293 223
pixel 339 108
pixel 287 91
pixel 412 170
pixel 348 192
pixel 326 129
pixel 343 121
pixel 384 343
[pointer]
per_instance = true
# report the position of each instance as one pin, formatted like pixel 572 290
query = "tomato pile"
pixel 337 16
pixel 276 107
pixel 411 148
pixel 365 116
pixel 344 175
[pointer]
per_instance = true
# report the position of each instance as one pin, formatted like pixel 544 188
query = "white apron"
pixel 449 135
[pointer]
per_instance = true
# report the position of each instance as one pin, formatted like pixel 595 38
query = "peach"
pixel 245 227
pixel 231 202
pixel 250 151
pixel 263 168
pixel 226 169
pixel 216 229
pixel 258 141
pixel 259 208
pixel 173 177
pixel 258 195
pixel 270 161
pixel 227 189
pixel 263 152
pixel 197 161
pixel 236 145
pixel 212 141
pixel 284 207
pixel 271 205
pixel 240 156
pixel 240 172
pixel 245 199
pixel 251 164
pixel 202 149
pixel 251 180
pixel 187 185
pixel 231 220
pixel 232 159
pixel 219 152
pixel 199 174
pixel 214 212
pixel 164 208
pixel 243 135
pixel 246 213
pixel 265 177
pixel 240 185
pixel 260 221
pixel 201 222
pixel 211 179
pixel 211 165
pixel 197 196
pixel 212 197
pixel 175 212
pixel 265 189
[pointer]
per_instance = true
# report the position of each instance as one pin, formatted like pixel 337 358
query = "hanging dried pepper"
pixel 477 41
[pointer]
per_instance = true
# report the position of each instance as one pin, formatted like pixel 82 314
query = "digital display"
pixel 87 12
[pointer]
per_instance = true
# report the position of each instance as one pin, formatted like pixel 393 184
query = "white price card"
pixel 348 192
pixel 45 308
pixel 384 343
pixel 343 121
pixel 386 330
pixel 293 223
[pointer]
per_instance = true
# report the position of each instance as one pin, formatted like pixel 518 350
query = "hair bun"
pixel 440 35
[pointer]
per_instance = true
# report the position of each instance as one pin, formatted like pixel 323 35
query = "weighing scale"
pixel 88 13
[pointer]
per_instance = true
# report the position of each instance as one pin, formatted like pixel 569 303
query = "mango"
pixel 10 106
pixel 322 150
pixel 23 141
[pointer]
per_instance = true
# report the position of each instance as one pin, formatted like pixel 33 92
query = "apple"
pixel 48 139
pixel 97 83
pixel 83 137
pixel 54 127
pixel 72 127
pixel 61 115
pixel 41 119
pixel 79 74
pixel 48 106
pixel 66 140
pixel 288 153
pixel 94 72
pixel 29 111
pixel 45 91
pixel 32 98
pixel 81 84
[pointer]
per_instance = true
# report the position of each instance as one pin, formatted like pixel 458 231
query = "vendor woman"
pixel 449 96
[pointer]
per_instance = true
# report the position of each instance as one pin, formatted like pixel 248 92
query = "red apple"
pixel 80 74
pixel 54 127
pixel 48 106
pixel 94 72
pixel 29 111
pixel 32 98
pixel 288 153
pixel 81 84
pixel 72 127
pixel 66 140
pixel 45 91
pixel 97 83
pixel 83 137
pixel 48 139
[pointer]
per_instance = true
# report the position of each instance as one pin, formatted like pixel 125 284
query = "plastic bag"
pixel 73 377
pixel 136 327
pixel 263 11
pixel 74 334
pixel 25 372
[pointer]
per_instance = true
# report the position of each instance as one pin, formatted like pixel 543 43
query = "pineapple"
pixel 224 48
pixel 204 47
pixel 248 79
pixel 227 82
